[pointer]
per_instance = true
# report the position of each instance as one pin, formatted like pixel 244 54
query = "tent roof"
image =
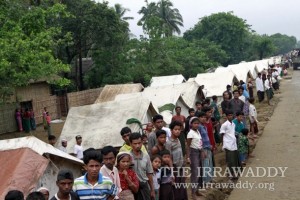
pixel 36 145
pixel 109 92
pixel 215 83
pixel 171 94
pixel 166 80
pixel 22 169
pixel 100 124
pixel 240 70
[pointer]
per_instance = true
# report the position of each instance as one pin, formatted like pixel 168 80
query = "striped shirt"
pixel 100 191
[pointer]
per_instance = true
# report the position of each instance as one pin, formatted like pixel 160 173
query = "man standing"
pixel 229 144
pixel 78 149
pixel 260 88
pixel 158 121
pixel 235 104
pixel 108 169
pixel 63 146
pixel 64 182
pixel 93 185
pixel 143 168
pixel 180 118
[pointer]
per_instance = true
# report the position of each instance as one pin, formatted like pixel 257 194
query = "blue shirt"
pixel 205 139
pixel 100 191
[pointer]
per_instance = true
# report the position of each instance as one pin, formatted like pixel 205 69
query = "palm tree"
pixel 120 10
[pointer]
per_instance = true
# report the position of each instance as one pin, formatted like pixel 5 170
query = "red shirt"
pixel 132 176
pixel 179 118
pixel 210 130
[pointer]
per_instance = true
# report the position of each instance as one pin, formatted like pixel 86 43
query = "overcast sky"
pixel 265 16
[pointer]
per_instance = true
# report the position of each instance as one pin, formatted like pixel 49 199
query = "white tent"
pixel 29 163
pixel 215 83
pixel 184 95
pixel 241 71
pixel 166 80
pixel 100 124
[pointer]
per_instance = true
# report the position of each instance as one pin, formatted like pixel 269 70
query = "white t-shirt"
pixel 78 150
pixel 259 84
pixel 252 112
pixel 156 179
pixel 243 98
pixel 196 139
pixel 168 131
pixel 64 149
pixel 229 139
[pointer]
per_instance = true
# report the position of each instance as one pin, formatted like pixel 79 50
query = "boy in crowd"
pixel 161 137
pixel 238 122
pixel 14 195
pixel 143 168
pixel 174 146
pixel 187 121
pixel 125 133
pixel 64 182
pixel 109 170
pixel 167 178
pixel 158 121
pixel 229 144
pixel 93 185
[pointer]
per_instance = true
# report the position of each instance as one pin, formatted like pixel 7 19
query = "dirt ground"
pixel 264 116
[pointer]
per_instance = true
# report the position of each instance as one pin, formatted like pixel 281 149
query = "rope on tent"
pixel 134 121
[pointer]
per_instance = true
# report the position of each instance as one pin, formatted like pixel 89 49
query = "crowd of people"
pixel 148 165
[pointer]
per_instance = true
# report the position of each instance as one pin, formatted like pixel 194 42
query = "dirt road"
pixel 279 146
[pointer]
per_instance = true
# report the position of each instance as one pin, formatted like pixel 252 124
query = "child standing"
pixel 243 146
pixel 156 163
pixel 167 178
pixel 161 138
pixel 253 118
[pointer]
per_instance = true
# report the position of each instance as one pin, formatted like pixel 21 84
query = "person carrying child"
pixel 243 146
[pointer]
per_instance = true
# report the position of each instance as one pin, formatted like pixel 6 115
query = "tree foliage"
pixel 27 44
pixel 283 43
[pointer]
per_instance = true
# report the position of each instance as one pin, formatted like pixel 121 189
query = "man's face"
pixel 208 114
pixel 176 131
pixel 240 118
pixel 125 137
pixel 79 141
pixel 136 144
pixel 236 95
pixel 198 106
pixel 93 168
pixel 64 144
pixel 226 95
pixel 65 186
pixel 109 160
pixel 178 111
pixel 158 124
pixel 229 117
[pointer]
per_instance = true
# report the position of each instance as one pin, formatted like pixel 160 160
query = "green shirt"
pixel 243 144
pixel 238 126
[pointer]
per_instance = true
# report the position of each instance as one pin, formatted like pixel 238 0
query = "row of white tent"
pixel 100 123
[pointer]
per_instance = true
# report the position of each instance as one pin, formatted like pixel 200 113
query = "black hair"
pixel 258 74
pixel 156 156
pixel 14 195
pixel 206 109
pixel 164 152
pixel 125 130
pixel 157 117
pixel 51 137
pixel 241 88
pixel 235 91
pixel 201 114
pixel 251 100
pixel 107 149
pixel 177 107
pixel 144 136
pixel 245 131
pixel 87 150
pixel 134 136
pixel 160 132
pixel 92 155
pixel 35 196
pixel 175 123
pixel 197 102
pixel 229 112
pixel 228 86
pixel 238 113
pixel 191 110
pixel 207 100
pixel 214 97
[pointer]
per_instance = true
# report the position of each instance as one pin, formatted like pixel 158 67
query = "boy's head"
pixel 239 116
pixel 161 136
pixel 125 133
pixel 178 110
pixel 176 128
pixel 198 105
pixel 229 115
pixel 236 94
pixel 215 98
pixel 109 154
pixel 14 195
pixel 192 112
pixel 135 140
pixel 78 139
pixel 202 117
pixel 64 182
pixel 245 131
pixel 93 162
pixel 165 155
pixel 251 100
pixel 35 196
pixel 158 121
pixel 144 139
pixel 208 111
pixel 52 139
